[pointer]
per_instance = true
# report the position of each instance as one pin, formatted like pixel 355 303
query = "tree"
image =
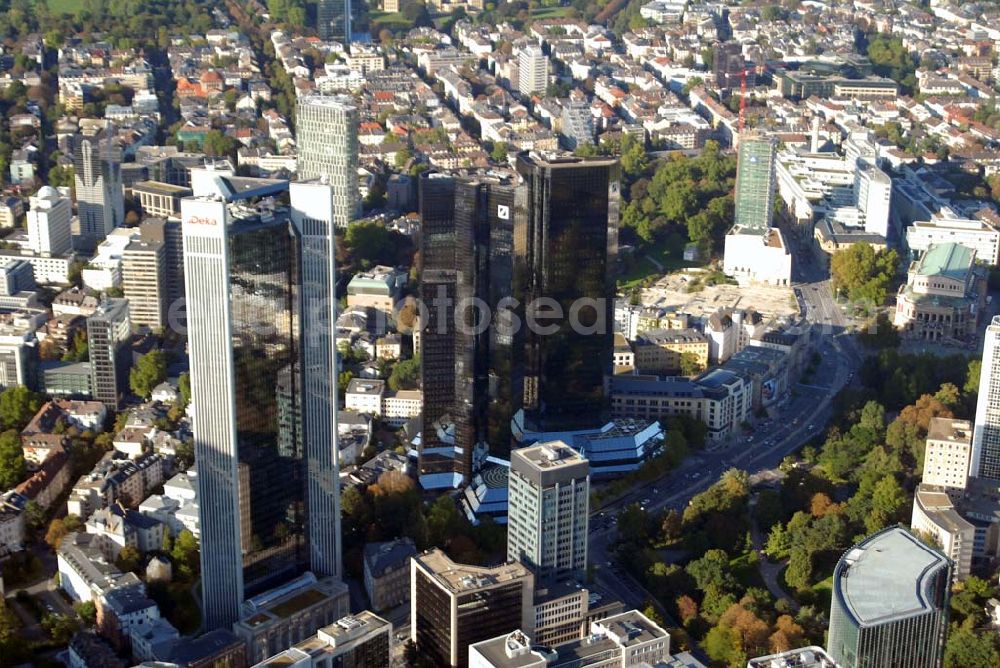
pixel 970 649
pixel 87 611
pixel 218 144
pixel 344 379
pixel 18 405
pixel 687 609
pixel 891 59
pixel 634 160
pixel 13 647
pixel 373 243
pixel 129 559
pixel 148 372
pixel 787 635
pixel 12 467
pixel 60 628
pixel 799 571
pixel 185 554
pixel 405 375
pixel 972 376
pixel 721 644
pixel 443 521
pixel 888 503
pixel 58 528
pixel 863 274
pixel 184 388
pixel 499 151
pixel 690 364
pixel 78 349
pixel 712 570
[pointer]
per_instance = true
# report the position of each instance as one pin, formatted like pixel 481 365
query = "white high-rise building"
pixel 327 137
pixel 100 203
pixel 532 70
pixel 873 189
pixel 986 430
pixel 549 496
pixel 50 218
pixel 313 214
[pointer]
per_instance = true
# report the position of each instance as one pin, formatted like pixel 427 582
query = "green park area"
pixel 65 6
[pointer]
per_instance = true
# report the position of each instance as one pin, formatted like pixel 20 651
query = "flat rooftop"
pixel 554 454
pixel 888 576
pixel 947 429
pixel 458 578
pixel 162 188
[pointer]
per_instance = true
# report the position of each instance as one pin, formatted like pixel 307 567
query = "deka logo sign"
pixel 201 220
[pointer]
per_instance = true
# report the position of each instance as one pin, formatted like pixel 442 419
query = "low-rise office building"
pixel 723 400
pixel 964 522
pixel 804 657
pixel 628 639
pixel 363 640
pixel 453 606
pixel 387 572
pixel 980 236
pixel 947 453
pixel 662 350
pixel 290 614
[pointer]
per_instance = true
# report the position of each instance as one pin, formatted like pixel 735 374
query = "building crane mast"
pixel 743 99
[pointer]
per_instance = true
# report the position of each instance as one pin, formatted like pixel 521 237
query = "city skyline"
pixel 500 335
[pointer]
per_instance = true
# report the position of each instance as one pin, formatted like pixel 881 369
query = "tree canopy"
pixel 148 372
pixel 18 405
pixel 863 274
pixel 12 468
pixel 694 194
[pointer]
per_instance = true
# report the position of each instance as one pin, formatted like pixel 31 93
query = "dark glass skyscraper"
pixel 549 231
pixel 333 20
pixel 465 250
pixel 565 247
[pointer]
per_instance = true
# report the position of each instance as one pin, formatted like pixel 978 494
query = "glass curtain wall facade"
pixel 264 438
pixel 565 246
pixel 551 236
pixel 333 20
pixel 465 250
pixel 263 275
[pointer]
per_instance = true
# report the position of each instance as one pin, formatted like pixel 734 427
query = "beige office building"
pixel 144 277
pixel 946 457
